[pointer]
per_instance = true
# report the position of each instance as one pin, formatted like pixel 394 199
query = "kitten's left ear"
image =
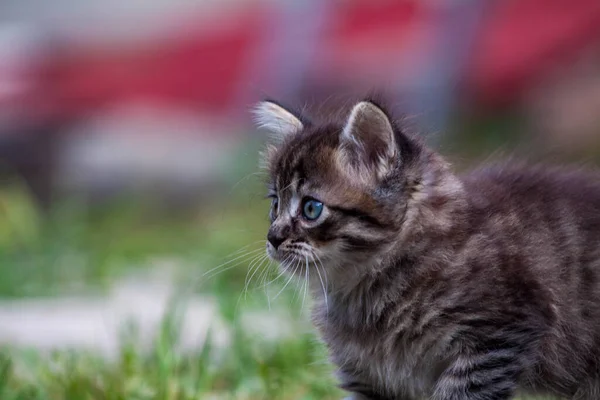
pixel 368 141
pixel 278 120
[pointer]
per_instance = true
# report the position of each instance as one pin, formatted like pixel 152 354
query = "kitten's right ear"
pixel 278 120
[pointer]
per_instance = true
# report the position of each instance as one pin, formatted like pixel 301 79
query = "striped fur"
pixel 430 285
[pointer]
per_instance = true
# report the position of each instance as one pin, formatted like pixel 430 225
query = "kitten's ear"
pixel 368 142
pixel 278 120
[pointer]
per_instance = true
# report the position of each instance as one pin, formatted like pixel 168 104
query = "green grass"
pixel 250 368
pixel 79 250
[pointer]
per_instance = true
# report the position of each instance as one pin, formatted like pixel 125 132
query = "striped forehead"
pixel 301 163
pixel 289 192
pixel 291 177
pixel 290 171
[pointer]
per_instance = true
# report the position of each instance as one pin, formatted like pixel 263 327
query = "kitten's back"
pixel 549 219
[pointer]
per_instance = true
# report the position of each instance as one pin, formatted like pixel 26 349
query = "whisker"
pixel 281 273
pixel 314 253
pixel 288 282
pixel 257 266
pixel 249 257
pixel 264 275
pixel 245 178
pixel 243 248
pixel 189 289
pixel 222 270
pixel 299 288
pixel 306 281
pixel 268 297
pixel 322 284
pixel 264 279
pixel 297 265
pixel 230 261
pixel 250 268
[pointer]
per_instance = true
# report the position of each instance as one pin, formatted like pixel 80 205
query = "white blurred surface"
pixel 96 323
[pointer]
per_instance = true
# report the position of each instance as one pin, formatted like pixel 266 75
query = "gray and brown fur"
pixel 430 285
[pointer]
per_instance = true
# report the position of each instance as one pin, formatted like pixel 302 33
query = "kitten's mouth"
pixel 294 261
pixel 300 260
pixel 283 257
pixel 273 253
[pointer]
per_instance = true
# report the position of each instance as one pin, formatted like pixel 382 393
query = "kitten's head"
pixel 343 193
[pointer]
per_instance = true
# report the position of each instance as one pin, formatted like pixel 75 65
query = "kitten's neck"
pixel 438 208
pixel 359 303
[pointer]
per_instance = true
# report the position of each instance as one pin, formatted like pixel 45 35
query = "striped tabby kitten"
pixel 430 285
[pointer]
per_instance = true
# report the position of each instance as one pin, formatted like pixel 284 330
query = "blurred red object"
pixel 522 39
pixel 196 70
pixel 206 70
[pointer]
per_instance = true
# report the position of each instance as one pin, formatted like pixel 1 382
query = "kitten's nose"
pixel 275 239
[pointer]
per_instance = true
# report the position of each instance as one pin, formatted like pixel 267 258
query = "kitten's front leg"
pixel 490 375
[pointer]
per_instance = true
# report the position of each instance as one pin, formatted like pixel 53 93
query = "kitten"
pixel 430 285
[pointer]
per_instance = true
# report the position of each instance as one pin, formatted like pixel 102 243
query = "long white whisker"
pixel 323 267
pixel 230 261
pixel 248 272
pixel 293 276
pixel 264 275
pixel 281 273
pixel 198 279
pixel 322 284
pixel 288 282
pixel 299 288
pixel 214 272
pixel 244 178
pixel 237 264
pixel 243 248
pixel 257 266
pixel 268 297
pixel 264 279
pixel 306 282
pixel 265 269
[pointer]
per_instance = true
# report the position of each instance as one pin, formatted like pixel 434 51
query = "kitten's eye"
pixel 274 198
pixel 312 209
pixel 274 202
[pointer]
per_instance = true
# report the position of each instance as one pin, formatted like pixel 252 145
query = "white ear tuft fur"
pixel 276 119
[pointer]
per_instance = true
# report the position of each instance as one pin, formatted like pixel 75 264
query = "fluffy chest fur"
pixel 383 364
pixel 380 336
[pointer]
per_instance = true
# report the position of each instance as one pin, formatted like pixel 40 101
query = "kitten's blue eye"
pixel 274 204
pixel 312 209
